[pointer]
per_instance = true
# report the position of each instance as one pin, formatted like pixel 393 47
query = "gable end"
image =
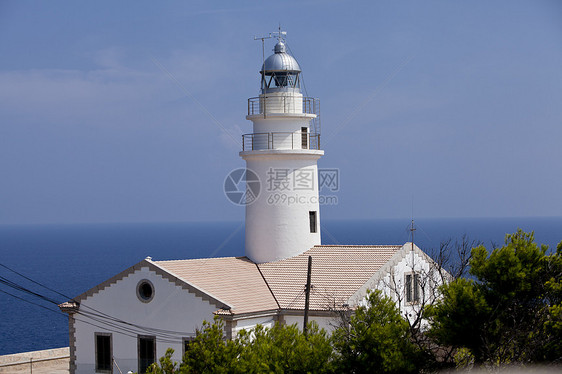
pixel 159 271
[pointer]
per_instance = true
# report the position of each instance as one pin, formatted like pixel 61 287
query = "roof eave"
pixel 160 271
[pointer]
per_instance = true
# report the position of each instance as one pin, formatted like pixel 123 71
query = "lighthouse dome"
pixel 280 72
pixel 280 60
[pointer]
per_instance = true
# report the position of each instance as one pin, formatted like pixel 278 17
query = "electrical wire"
pixel 113 326
pixel 31 302
pixel 31 280
pixel 20 288
pixel 100 317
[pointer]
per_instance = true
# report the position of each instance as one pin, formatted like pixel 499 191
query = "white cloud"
pixel 113 91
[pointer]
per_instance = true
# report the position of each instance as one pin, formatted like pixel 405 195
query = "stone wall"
pixel 52 361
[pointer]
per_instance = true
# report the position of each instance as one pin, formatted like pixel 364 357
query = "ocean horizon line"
pixel 378 219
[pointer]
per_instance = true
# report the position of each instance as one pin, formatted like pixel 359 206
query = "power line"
pixel 20 288
pixel 31 280
pixel 114 327
pixel 31 302
pixel 101 317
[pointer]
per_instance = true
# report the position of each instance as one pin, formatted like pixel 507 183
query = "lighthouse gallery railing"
pixel 286 104
pixel 283 104
pixel 280 140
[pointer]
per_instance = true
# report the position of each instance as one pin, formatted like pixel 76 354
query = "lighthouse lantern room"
pixel 283 150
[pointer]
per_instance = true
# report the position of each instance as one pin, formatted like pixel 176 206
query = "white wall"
pixel 250 324
pixel 393 284
pixel 277 222
pixel 280 124
pixel 281 102
pixel 327 323
pixel 172 308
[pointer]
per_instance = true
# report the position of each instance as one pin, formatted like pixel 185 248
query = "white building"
pixel 131 319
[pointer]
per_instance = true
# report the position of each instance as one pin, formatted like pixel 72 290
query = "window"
pixel 145 291
pixel 312 219
pixel 280 79
pixel 103 353
pixel 412 288
pixel 304 137
pixel 146 351
pixel 186 344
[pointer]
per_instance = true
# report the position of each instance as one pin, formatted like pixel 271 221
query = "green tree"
pixel 165 366
pixel 376 340
pixel 507 313
pixel 454 316
pixel 280 349
pixel 210 351
pixel 553 324
pixel 285 349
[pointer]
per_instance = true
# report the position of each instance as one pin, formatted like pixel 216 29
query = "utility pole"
pixel 307 296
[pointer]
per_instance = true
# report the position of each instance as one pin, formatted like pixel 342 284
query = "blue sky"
pixel 456 106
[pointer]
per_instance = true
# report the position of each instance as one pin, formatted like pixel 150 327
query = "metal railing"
pixel 280 140
pixel 281 104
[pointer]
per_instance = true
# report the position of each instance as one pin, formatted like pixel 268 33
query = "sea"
pixel 43 265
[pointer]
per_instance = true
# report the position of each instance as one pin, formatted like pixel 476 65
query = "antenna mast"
pixel 262 38
pixel 280 38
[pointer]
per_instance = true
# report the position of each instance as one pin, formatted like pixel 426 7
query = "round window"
pixel 145 291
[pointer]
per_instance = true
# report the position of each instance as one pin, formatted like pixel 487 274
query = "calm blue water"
pixel 73 258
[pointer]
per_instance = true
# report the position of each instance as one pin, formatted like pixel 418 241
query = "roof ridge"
pixel 357 245
pixel 203 258
pixel 268 286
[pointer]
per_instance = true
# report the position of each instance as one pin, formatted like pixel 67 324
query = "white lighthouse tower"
pixel 283 150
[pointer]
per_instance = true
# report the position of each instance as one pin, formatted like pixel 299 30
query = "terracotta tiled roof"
pixel 337 272
pixel 234 280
